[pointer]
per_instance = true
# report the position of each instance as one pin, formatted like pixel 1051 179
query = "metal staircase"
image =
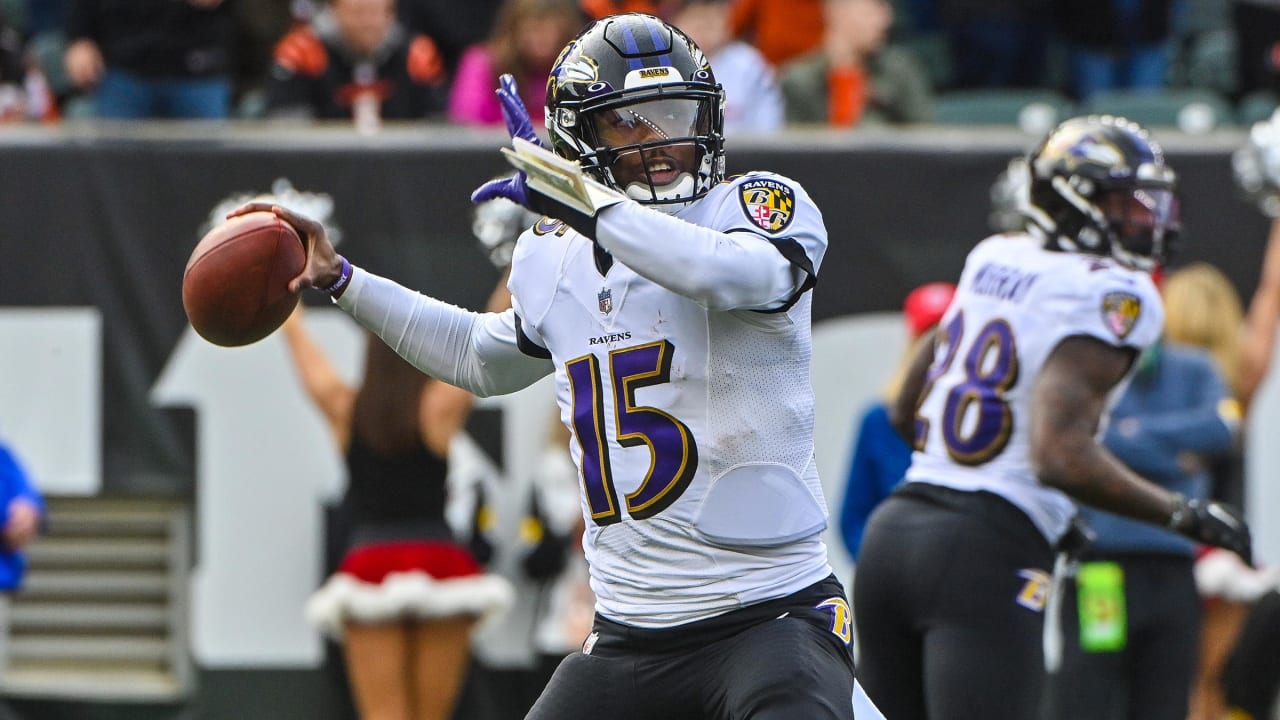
pixel 102 613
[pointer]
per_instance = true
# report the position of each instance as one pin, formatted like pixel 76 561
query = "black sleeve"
pixel 527 346
pixel 794 252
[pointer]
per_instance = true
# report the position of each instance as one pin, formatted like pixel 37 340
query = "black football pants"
pixel 949 606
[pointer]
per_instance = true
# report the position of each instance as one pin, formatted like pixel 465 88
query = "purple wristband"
pixel 344 277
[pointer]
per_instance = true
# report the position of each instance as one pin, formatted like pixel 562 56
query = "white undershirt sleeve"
pixel 474 351
pixel 718 270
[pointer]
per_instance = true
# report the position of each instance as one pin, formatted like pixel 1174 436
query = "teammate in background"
pixel 958 564
pixel 880 456
pixel 674 313
pixel 406 595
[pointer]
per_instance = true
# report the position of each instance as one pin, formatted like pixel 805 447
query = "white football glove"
pixel 1010 195
pixel 1257 165
pixel 497 224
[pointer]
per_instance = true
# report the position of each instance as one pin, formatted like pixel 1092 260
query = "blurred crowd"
pixel 841 63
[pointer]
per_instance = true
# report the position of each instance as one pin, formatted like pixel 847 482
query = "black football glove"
pixel 1212 523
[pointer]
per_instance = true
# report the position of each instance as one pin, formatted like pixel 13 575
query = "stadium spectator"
pixel 354 61
pixel 406 595
pixel 1256 27
pixel 752 99
pixel 13 94
pixel 957 565
pixel 679 341
pixel 152 58
pixel 454 25
pixel 597 9
pixel 781 31
pixel 1115 44
pixel 855 77
pixel 880 455
pixel 23 514
pixel 995 43
pixel 1131 615
pixel 526 39
pixel 259 26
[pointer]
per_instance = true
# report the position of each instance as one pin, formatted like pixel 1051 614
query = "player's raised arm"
pixel 477 352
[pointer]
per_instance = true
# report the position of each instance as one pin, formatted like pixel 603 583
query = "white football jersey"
pixel 1014 304
pixel 692 428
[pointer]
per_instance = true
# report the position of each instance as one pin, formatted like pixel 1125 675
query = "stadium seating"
pixel 1192 110
pixel 1033 111
pixel 1256 107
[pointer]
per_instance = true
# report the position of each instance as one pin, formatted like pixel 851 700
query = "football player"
pixel 672 306
pixel 1004 409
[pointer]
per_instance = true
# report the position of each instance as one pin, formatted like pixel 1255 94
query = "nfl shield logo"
pixel 606 300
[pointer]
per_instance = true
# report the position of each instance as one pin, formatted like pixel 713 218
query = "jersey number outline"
pixel 990 370
pixel 673 451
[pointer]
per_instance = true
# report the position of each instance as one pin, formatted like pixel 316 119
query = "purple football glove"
pixel 519 125
pixel 516 188
pixel 512 188
pixel 514 112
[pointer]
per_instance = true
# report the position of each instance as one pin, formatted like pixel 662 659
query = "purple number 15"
pixel 673 454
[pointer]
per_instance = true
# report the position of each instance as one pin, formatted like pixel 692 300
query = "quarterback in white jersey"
pixel 691 419
pixel 673 307
pixel 1005 410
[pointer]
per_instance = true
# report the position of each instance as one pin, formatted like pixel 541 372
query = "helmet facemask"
pixel 656 150
pixel 1137 224
pixel 1143 223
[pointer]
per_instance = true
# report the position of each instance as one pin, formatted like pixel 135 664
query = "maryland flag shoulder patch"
pixel 1120 312
pixel 769 204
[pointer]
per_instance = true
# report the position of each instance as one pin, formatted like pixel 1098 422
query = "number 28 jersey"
pixel 1014 304
pixel 692 427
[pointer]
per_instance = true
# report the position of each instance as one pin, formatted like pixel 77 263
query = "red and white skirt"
pixel 419 580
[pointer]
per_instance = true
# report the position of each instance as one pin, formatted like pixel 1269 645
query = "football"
pixel 235 288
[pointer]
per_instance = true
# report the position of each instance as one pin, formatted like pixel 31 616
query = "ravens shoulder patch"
pixel 1120 312
pixel 769 204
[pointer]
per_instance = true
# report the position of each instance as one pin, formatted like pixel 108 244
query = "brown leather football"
pixel 236 285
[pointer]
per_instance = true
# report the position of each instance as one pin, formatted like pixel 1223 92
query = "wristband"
pixel 344 277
